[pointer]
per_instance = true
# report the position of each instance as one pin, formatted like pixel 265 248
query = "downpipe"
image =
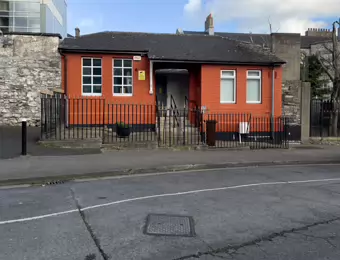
pixel 273 104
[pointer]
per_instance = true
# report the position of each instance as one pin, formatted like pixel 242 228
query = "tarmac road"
pixel 284 212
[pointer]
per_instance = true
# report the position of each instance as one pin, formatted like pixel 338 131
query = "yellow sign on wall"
pixel 141 75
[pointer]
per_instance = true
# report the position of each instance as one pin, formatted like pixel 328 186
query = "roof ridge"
pixel 150 33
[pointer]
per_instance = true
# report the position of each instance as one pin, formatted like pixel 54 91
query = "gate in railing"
pixel 321 121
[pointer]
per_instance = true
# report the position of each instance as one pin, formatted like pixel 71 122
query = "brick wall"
pixel 210 90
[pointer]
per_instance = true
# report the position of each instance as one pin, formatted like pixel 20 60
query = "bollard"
pixel 24 137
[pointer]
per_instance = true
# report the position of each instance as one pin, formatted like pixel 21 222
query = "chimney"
pixel 209 25
pixel 77 30
pixel 321 32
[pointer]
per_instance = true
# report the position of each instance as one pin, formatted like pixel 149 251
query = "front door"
pixel 161 90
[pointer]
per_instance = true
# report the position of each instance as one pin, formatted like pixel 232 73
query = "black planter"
pixel 123 131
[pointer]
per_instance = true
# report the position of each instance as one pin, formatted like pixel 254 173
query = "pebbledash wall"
pixel 29 64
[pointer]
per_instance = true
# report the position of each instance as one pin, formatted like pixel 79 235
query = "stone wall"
pixel 291 99
pixel 287 46
pixel 29 64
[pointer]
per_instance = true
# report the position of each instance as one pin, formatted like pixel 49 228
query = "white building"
pixel 34 16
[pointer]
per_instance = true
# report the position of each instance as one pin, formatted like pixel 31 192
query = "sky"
pixel 229 15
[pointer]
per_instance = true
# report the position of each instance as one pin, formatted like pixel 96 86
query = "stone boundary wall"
pixel 29 64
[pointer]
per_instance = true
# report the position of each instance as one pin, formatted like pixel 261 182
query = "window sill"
pixel 228 102
pixel 254 102
pixel 91 95
pixel 122 95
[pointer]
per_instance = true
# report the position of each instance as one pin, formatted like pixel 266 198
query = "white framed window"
pixel 122 77
pixel 228 86
pixel 254 86
pixel 92 76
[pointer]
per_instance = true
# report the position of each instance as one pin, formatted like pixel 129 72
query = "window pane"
pixel 86 80
pixel 127 63
pixel 86 89
pixel 87 62
pixel 253 90
pixel 117 63
pixel 4 29
pixel 97 62
pixel 20 21
pixel 128 81
pixel 97 71
pixel 20 29
pixel 253 73
pixel 127 89
pixel 118 89
pixel 21 6
pixel 117 72
pixel 228 74
pixel 34 7
pixel 117 81
pixel 127 72
pixel 86 71
pixel 4 21
pixel 227 90
pixel 34 22
pixel 4 6
pixel 97 80
pixel 35 30
pixel 97 89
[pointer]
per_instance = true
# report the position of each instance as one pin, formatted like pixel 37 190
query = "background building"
pixel 45 16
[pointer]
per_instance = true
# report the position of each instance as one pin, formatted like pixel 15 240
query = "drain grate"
pixel 54 182
pixel 169 225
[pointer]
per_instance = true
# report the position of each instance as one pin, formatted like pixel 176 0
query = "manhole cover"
pixel 169 225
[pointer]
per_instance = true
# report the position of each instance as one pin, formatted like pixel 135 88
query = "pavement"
pixel 276 212
pixel 42 169
pixel 10 144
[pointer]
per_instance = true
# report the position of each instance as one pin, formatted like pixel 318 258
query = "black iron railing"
pixel 88 118
pixel 247 130
pixel 324 119
pixel 65 118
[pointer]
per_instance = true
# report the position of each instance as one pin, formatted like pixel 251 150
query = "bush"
pixel 122 125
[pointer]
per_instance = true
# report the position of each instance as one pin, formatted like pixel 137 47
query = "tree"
pixel 328 55
pixel 316 76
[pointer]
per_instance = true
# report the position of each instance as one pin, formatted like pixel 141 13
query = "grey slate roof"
pixel 195 48
pixel 260 39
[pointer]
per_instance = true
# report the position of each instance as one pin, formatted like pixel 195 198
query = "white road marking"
pixel 165 195
pixel 38 217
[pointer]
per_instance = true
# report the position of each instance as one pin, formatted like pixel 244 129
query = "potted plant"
pixel 123 130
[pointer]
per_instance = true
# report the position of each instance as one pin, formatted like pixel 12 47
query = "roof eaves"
pixel 81 50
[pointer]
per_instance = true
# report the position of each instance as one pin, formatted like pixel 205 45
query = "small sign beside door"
pixel 141 75
pixel 137 58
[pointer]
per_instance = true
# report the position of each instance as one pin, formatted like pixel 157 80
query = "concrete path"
pixel 46 168
pixel 251 213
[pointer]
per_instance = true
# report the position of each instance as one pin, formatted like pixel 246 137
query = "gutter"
pixel 65 50
pixel 218 62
